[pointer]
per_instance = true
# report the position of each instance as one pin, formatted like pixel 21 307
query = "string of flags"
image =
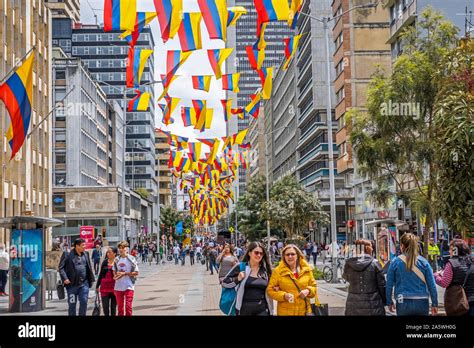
pixel 207 166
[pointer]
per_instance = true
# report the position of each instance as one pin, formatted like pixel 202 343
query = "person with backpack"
pixel 212 259
pixel 458 280
pixel 125 270
pixel 410 278
pixel 252 297
pixel 77 275
pixel 106 283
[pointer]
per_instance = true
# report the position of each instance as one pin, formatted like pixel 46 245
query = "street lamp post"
pixel 332 192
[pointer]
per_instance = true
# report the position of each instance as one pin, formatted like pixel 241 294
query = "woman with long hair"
pixel 292 283
pixel 106 283
pixel 226 260
pixel 411 278
pixel 252 281
pixel 366 294
pixel 456 271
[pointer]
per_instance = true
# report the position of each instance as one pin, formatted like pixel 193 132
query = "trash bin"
pixel 51 282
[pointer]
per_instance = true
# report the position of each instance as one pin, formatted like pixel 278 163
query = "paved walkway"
pixel 170 289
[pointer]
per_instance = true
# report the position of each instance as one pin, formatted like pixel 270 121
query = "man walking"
pixel 125 270
pixel 176 254
pixel 212 259
pixel 314 252
pixel 77 276
pixel 96 256
pixel 4 266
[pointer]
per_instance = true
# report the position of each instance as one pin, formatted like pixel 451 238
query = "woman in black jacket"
pixel 366 282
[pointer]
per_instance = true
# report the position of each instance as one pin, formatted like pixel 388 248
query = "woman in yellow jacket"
pixel 293 299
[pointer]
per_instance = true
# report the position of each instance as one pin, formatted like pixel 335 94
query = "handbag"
pixel 317 309
pixel 227 301
pixel 60 290
pixel 455 299
pixel 96 310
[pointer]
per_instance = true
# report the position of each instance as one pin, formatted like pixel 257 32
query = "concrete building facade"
pixel 25 180
pixel 162 172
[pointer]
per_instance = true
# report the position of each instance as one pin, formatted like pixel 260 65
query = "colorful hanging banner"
pixel 137 58
pixel 142 20
pixel 169 16
pixel 119 14
pixel 255 56
pixel 291 45
pixel 215 15
pixel 295 9
pixel 140 103
pixel 230 82
pixel 174 59
pixel 253 107
pixel 234 14
pixel 266 76
pixel 226 106
pixel 189 32
pixel 168 109
pixel 202 82
pixel 272 10
pixel 216 58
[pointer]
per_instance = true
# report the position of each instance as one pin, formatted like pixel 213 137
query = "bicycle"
pixel 328 273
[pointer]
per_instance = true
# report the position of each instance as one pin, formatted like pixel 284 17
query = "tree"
pixel 251 221
pixel 395 138
pixel 169 217
pixel 292 208
pixel 454 138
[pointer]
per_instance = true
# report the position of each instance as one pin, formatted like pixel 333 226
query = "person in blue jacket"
pixel 411 278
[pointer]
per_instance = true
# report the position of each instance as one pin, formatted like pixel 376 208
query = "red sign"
pixel 350 223
pixel 87 233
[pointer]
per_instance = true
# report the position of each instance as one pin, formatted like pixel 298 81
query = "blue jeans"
pixel 175 259
pixel 74 293
pixel 213 264
pixel 413 307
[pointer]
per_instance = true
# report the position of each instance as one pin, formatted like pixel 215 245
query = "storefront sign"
pixel 87 233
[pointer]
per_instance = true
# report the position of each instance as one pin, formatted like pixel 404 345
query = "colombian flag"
pixel 195 151
pixel 295 9
pixel 174 59
pixel 291 45
pixel 266 76
pixel 143 19
pixel 227 106
pixel 199 107
pixel 140 102
pixel 234 14
pixel 17 93
pixel 256 57
pixel 202 83
pixel 216 58
pixel 230 82
pixel 240 136
pixel 120 14
pixel 240 112
pixel 272 10
pixel 168 109
pixel 137 59
pixel 166 85
pixel 215 16
pixel 188 114
pixel 205 120
pixel 169 16
pixel 189 32
pixel 260 44
pixel 253 107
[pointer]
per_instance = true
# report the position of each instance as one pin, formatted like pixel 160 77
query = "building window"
pixel 59 203
pixel 339 40
pixel 60 75
pixel 60 158
pixel 60 179
pixel 340 95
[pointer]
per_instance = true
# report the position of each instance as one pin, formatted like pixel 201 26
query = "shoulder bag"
pixel 96 310
pixel 455 299
pixel 60 290
pixel 415 269
pixel 317 309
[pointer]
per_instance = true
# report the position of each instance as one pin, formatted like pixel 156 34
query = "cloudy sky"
pixel 197 64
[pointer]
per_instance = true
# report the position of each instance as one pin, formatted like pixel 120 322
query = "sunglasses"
pixel 258 253
pixel 290 254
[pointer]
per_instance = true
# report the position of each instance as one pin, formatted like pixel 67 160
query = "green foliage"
pixel 395 140
pixel 317 273
pixel 292 208
pixel 143 192
pixel 251 221
pixel 169 216
pixel 455 135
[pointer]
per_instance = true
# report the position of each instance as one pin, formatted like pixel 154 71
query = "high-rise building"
pixel 404 13
pixel 312 148
pixel 256 138
pixel 284 135
pixel 65 9
pixel 80 138
pixel 361 37
pixel 105 55
pixel 246 29
pixel 162 172
pixel 26 179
